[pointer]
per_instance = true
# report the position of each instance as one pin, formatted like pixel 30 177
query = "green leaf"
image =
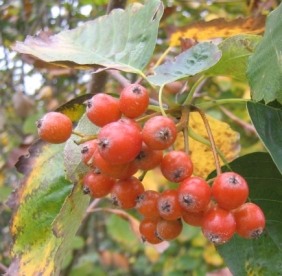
pixel 262 256
pixel 75 168
pixel 119 229
pixel 235 52
pixel 47 208
pixel 267 121
pixel 122 40
pixel 194 60
pixel 265 65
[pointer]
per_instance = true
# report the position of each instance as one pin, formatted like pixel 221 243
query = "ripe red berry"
pixel 148 230
pixel 196 218
pixel 147 204
pixel 118 171
pixel 168 205
pixel 148 159
pixel 194 194
pixel 176 166
pixel 97 185
pixel 103 109
pixel 159 132
pixel 230 190
pixel 134 100
pixel 218 225
pixel 250 220
pixel 87 151
pixel 119 142
pixel 168 230
pixel 131 122
pixel 125 192
pixel 54 128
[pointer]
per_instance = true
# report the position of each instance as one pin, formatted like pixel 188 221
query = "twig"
pixel 215 155
pixel 238 121
pixel 119 77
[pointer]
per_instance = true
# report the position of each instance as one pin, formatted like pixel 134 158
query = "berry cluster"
pixel 123 147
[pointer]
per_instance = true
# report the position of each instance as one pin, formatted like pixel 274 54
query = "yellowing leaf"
pixel 219 27
pixel 152 253
pixel 225 138
pixel 211 256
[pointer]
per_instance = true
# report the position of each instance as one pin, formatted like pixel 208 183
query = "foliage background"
pixel 105 242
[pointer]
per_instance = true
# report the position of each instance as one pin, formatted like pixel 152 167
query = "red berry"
pixel 119 171
pixel 250 221
pixel 97 185
pixel 54 127
pixel 176 166
pixel 159 132
pixel 147 204
pixel 168 205
pixel 103 109
pixel 87 151
pixel 119 142
pixel 196 218
pixel 218 225
pixel 125 192
pixel 148 159
pixel 131 122
pixel 148 230
pixel 194 194
pixel 230 190
pixel 134 100
pixel 168 230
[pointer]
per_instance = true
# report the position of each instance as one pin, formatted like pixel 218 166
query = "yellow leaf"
pixel 225 138
pixel 203 30
pixel 211 256
pixel 152 253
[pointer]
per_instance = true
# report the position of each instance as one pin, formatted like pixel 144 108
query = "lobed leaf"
pixel 122 40
pixel 47 208
pixel 194 60
pixel 235 52
pixel 261 256
pixel 219 27
pixel 267 121
pixel 265 65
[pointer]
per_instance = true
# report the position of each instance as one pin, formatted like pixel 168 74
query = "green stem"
pixel 161 101
pixel 202 140
pixel 192 91
pixel 213 103
pixel 160 60
pixel 154 108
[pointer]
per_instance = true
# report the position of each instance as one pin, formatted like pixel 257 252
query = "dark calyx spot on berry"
pixel 157 235
pixel 140 198
pixel 166 207
pixel 233 180
pixel 188 200
pixel 89 104
pixel 97 171
pixel 141 155
pixel 143 239
pixel 136 90
pixel 115 202
pixel 103 143
pixel 164 134
pixel 85 149
pixel 39 123
pixel 178 173
pixel 86 190
pixel 256 233
pixel 214 238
